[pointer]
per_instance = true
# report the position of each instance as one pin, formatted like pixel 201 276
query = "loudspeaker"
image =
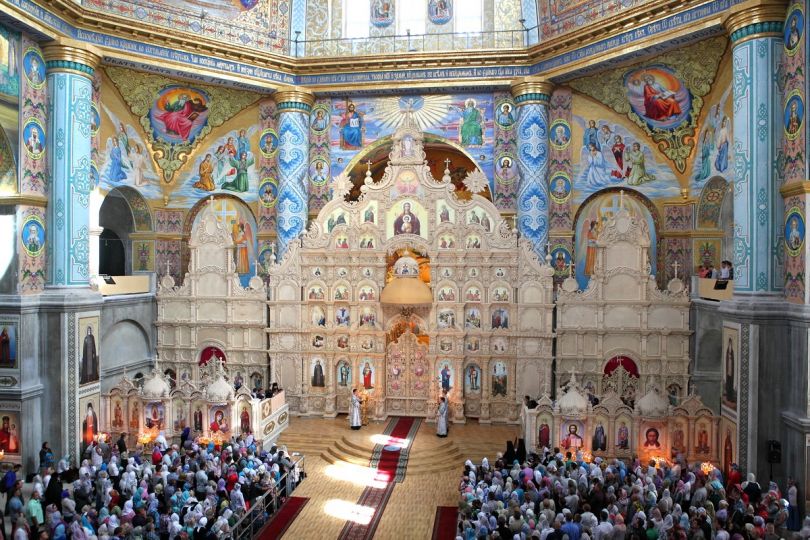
pixel 774 452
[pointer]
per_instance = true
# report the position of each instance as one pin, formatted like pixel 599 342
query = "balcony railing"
pixel 264 506
pixel 405 43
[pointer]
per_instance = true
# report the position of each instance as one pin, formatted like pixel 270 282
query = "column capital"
pixel 755 18
pixel 531 90
pixel 294 98
pixel 70 55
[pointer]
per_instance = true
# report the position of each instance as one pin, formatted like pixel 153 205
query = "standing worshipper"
pixel 354 415
pixel 441 418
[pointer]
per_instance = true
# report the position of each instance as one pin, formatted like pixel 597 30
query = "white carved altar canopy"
pixel 622 333
pixel 483 337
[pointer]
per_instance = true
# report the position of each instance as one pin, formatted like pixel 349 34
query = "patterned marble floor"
pixel 337 472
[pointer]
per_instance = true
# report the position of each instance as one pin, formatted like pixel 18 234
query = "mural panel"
pixel 590 222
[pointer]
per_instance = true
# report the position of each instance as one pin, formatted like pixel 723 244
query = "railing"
pixel 267 504
pixel 404 43
pixel 250 30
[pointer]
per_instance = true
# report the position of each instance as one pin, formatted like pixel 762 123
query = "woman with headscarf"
pixel 521 451
pixel 510 454
pixel 53 492
pixel 237 500
pixel 174 526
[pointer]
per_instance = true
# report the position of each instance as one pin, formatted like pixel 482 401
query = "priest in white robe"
pixel 354 412
pixel 441 418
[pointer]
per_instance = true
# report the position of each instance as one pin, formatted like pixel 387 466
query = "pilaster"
pixel 293 105
pixel 70 67
pixel 531 97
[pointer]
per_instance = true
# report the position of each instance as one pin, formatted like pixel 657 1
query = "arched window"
pixel 411 17
pixel 621 362
pixel 356 19
pixel 470 19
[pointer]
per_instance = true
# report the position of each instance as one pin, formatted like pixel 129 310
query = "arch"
pixel 209 351
pixel 617 361
pixel 116 217
pixel 434 145
pixel 8 164
pixel 632 199
pixel 138 207
pixel 710 203
pixel 124 339
pixel 243 213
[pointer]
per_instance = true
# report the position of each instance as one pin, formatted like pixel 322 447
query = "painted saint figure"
pixel 351 128
pixel 599 442
pixel 636 169
pixel 241 183
pixel 136 160
pixel 623 437
pixel 794 236
pixel 590 137
pixel 596 173
pixel 659 102
pixel 723 141
pixel 472 371
pixel 729 389
pixel 590 251
pixel 5 349
pixel 367 374
pixel 179 116
pixel 572 440
pixel 317 375
pixel 505 117
pixel 116 170
pixel 445 375
pixel 206 170
pixel 406 222
pixel 471 132
pixel 244 420
pixel 88 371
pixel 89 424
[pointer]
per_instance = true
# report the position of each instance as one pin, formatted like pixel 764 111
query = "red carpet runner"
pixel 283 518
pixel 445 524
pixel 390 460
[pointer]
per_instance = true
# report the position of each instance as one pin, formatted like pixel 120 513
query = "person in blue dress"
pixel 591 136
pixel 116 168
pixel 243 143
pixel 723 138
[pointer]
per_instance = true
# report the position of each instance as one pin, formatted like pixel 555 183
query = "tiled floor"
pixel 335 456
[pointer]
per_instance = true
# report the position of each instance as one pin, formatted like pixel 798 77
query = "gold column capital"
pixel 296 98
pixel 531 90
pixel 755 18
pixel 66 54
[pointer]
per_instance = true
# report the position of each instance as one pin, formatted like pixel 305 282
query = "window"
pixel 469 16
pixel 411 16
pixel 356 19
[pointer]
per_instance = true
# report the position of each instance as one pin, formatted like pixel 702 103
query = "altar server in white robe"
pixel 354 413
pixel 441 418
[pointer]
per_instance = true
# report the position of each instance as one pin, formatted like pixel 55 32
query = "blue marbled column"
pixel 70 93
pixel 757 128
pixel 293 106
pixel 531 98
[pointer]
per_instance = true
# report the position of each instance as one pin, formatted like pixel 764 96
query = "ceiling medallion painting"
pixel 664 99
pixel 176 117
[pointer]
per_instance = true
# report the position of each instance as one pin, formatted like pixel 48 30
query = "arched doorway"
pixel 112 254
pixel 115 217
